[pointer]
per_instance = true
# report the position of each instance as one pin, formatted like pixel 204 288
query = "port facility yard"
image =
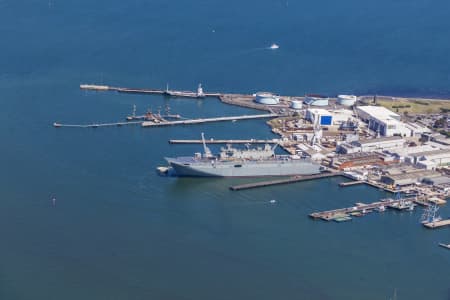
pixel 411 105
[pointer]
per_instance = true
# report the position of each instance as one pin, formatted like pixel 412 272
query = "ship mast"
pixel 208 153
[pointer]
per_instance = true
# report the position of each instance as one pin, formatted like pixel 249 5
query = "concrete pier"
pixel 362 208
pixel 207 120
pixel 94 125
pixel 437 224
pixel 218 141
pixel 283 181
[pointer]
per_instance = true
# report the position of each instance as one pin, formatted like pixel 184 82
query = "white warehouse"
pixel 383 120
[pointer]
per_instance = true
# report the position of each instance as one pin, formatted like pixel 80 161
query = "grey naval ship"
pixel 249 162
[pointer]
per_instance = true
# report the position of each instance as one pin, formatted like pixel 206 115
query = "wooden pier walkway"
pixel 219 141
pixel 283 181
pixel 208 120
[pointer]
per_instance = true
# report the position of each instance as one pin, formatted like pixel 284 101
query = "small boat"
pixel 274 47
pixel 273 201
pixel 342 219
pixel 444 245
pixel 381 208
pixel 163 170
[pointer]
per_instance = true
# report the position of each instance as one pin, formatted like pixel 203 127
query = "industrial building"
pixel 267 98
pixel 432 159
pixel 378 144
pixel 357 160
pixel 384 121
pixel 329 117
pixel 408 178
pixel 441 183
pixel 316 100
pixel 323 115
pixel 405 154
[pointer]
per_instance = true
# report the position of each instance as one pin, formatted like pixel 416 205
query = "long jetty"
pixel 207 120
pixel 214 141
pixel 189 94
pixel 283 181
pixel 95 125
pixel 166 123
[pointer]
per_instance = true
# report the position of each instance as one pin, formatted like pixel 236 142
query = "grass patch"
pixel 415 106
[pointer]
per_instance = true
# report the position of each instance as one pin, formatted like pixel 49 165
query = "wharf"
pixel 208 120
pixel 361 208
pixel 437 224
pixel 164 122
pixel 243 101
pixel 214 141
pixel 283 181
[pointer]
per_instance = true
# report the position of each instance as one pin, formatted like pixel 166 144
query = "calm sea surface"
pixel 119 231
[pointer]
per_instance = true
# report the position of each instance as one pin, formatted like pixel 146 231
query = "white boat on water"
pixel 444 245
pixel 274 47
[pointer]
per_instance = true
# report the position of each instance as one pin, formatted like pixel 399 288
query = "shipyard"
pixel 398 145
pixel 266 149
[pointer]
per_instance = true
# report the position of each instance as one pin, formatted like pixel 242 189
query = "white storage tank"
pixel 316 100
pixel 295 104
pixel 267 98
pixel 346 100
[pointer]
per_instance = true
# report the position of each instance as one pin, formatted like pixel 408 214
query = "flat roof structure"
pixel 378 112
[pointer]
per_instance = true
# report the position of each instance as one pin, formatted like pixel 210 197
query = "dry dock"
pixel 282 181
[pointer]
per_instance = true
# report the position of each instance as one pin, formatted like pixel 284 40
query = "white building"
pixel 384 121
pixel 323 115
pixel 379 144
pixel 329 117
pixel 371 145
pixel 432 159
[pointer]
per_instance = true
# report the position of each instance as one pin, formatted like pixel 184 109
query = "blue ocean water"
pixel 119 231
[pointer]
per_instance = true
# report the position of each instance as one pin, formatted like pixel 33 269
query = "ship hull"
pixel 244 169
